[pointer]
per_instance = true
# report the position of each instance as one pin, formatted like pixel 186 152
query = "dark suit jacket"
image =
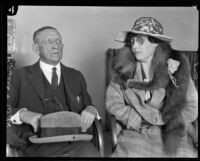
pixel 27 90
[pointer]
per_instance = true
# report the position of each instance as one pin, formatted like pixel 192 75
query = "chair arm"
pixel 98 137
pixel 113 131
pixel 8 151
pixel 98 140
pixel 12 152
pixel 195 123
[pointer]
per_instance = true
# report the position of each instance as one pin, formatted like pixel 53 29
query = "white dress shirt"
pixel 47 70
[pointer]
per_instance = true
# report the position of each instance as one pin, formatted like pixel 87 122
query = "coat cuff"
pixel 15 119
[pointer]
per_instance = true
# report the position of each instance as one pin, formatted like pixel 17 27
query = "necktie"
pixel 54 79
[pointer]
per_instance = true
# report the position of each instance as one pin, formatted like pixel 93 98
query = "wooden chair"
pixel 111 53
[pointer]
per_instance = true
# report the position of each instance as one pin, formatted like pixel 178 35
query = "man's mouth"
pixel 55 52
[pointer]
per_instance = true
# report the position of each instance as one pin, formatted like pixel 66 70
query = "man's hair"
pixel 36 33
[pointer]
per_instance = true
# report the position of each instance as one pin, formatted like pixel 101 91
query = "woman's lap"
pixel 148 143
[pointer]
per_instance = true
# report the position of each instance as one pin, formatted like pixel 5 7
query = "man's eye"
pixel 49 42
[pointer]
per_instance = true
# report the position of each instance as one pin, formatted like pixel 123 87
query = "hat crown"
pixel 148 25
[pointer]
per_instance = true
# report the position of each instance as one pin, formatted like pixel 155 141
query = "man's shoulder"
pixel 70 70
pixel 25 68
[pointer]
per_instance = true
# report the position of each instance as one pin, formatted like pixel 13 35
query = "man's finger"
pixel 35 122
pixel 89 121
pixel 83 123
pixel 35 129
pixel 86 122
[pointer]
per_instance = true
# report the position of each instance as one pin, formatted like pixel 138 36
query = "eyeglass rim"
pixel 135 37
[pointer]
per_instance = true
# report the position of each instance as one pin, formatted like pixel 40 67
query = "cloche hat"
pixel 146 26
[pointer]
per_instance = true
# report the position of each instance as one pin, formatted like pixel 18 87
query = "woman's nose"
pixel 134 46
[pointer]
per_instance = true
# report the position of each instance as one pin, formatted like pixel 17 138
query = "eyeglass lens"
pixel 137 39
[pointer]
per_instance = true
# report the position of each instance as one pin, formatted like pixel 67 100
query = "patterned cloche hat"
pixel 146 26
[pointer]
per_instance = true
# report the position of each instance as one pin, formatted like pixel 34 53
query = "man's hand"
pixel 87 120
pixel 31 118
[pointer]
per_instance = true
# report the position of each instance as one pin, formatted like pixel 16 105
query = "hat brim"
pixel 37 140
pixel 121 37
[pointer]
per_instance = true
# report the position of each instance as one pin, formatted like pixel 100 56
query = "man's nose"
pixel 55 45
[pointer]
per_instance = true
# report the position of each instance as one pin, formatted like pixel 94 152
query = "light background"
pixel 88 32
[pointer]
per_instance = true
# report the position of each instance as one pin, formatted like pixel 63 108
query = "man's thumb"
pixel 34 129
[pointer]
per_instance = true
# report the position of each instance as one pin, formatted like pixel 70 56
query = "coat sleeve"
pixel 116 105
pixel 13 91
pixel 87 101
pixel 14 136
pixel 190 113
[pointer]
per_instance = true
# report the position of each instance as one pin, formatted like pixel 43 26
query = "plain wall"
pixel 88 32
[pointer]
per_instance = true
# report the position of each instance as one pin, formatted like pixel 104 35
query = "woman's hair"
pixel 128 39
pixel 154 40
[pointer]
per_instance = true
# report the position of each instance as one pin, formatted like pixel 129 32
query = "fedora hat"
pixel 145 26
pixel 60 127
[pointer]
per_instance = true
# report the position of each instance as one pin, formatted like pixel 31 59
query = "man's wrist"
pixel 93 110
pixel 21 114
pixel 16 118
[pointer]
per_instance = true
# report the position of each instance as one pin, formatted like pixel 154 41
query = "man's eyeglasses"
pixel 139 39
pixel 51 42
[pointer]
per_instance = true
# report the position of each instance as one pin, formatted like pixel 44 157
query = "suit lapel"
pixel 36 79
pixel 67 83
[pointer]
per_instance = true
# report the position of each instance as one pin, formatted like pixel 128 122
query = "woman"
pixel 139 111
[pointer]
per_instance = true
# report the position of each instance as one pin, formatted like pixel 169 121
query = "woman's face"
pixel 142 48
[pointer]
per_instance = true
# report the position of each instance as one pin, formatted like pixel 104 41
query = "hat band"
pixel 147 31
pixel 56 131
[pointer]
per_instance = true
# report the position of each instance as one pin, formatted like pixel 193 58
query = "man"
pixel 46 87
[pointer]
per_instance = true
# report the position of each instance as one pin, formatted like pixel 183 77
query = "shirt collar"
pixel 47 67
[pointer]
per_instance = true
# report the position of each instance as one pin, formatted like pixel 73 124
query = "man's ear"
pixel 35 49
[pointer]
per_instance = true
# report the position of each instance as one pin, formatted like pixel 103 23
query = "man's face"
pixel 50 46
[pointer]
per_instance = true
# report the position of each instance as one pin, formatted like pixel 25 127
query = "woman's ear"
pixel 35 49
